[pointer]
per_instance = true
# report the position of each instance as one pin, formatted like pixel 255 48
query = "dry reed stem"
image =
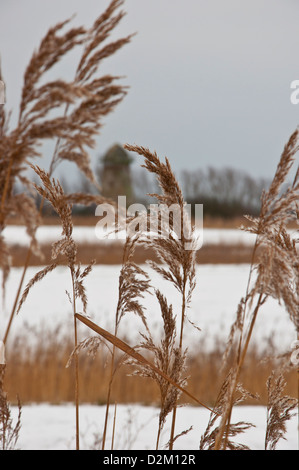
pixel 113 429
pixel 76 366
pixel 128 350
pixel 53 192
pixel 225 422
pixel 279 257
pixel 170 241
pixel 86 100
pixel 108 397
pixel 37 359
pixel 133 284
pixel 167 358
pixel 207 441
pixel 279 411
pixel 9 433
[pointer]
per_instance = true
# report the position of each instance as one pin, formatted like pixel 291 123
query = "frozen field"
pixel 215 299
pixel 49 427
pixel 92 234
pixel 15 234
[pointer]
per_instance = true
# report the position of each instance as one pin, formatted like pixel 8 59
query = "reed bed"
pixel 95 368
pixel 112 254
pixel 37 372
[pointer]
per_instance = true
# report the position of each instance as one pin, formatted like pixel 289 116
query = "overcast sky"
pixel 209 79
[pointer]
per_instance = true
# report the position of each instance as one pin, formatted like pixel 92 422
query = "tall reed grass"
pixel 81 105
pixel 70 114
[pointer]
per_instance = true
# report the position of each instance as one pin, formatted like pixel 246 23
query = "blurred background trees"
pixel 224 192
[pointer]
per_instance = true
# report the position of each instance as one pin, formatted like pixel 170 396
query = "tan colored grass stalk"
pixel 5 190
pixel 208 438
pixel 298 396
pixel 76 366
pixel 20 286
pixel 179 260
pixel 9 433
pixel 18 293
pixel 135 355
pixel 168 358
pixel 171 441
pixel 133 283
pixel 225 421
pixel 53 192
pixel 277 269
pixel 88 98
pixel 113 430
pixel 279 410
pixel 108 397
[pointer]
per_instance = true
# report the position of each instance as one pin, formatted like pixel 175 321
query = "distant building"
pixel 115 174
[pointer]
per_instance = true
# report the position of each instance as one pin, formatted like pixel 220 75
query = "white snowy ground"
pixel 49 427
pixel 93 234
pixel 15 234
pixel 213 308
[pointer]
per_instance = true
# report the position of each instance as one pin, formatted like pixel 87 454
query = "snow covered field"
pixel 52 427
pixel 49 427
pixel 215 299
pixel 92 234
pixel 214 303
pixel 16 234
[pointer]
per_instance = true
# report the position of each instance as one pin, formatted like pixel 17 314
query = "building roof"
pixel 116 155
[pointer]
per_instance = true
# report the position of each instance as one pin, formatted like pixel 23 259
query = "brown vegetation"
pixel 113 254
pixel 39 373
pixel 219 379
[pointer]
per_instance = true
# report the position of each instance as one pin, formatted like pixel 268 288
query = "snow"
pixel 52 427
pixel 15 234
pixel 214 304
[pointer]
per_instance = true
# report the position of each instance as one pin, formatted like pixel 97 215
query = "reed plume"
pixel 208 438
pixel 279 410
pixel 168 358
pixel 172 238
pixel 9 431
pixel 69 113
pixel 51 190
pixel 133 284
pixel 276 270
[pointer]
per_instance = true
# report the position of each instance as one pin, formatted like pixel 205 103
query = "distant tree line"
pixel 224 192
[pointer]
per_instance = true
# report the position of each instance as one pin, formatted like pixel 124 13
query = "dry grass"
pixel 113 254
pixel 174 374
pixel 177 266
pixel 9 431
pixel 80 106
pixel 277 276
pixel 233 373
pixel 37 372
